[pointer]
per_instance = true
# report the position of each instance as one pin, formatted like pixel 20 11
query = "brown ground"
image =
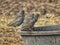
pixel 10 8
pixel 9 36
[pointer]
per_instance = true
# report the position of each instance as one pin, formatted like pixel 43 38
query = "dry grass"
pixel 9 10
pixel 9 36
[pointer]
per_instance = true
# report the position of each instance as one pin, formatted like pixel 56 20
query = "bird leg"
pixel 30 29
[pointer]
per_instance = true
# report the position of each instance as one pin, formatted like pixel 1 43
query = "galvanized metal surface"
pixel 41 37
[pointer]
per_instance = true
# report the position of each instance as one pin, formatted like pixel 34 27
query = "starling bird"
pixel 18 20
pixel 29 22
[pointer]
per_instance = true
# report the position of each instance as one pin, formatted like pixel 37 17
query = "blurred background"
pixel 49 11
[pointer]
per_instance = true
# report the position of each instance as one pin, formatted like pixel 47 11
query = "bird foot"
pixel 30 30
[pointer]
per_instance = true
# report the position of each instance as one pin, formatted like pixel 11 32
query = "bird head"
pixel 36 17
pixel 22 12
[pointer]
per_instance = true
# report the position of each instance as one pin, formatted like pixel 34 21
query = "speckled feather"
pixel 29 22
pixel 18 20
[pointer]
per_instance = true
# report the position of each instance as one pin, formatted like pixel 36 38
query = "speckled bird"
pixel 29 22
pixel 18 20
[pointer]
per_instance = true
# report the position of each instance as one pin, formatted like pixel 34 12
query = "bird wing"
pixel 33 21
pixel 15 21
